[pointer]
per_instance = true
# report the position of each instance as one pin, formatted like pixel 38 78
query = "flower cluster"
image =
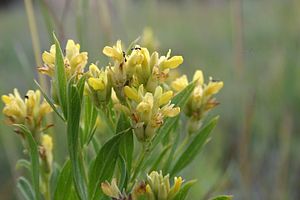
pixel 29 111
pixel 155 187
pixel 137 78
pixel 74 60
pixel 148 110
pixel 202 99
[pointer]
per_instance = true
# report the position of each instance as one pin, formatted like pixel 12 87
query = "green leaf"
pixel 126 142
pixel 74 112
pixel 90 117
pixel 104 165
pixel 223 197
pixel 179 100
pixel 159 158
pixel 64 183
pixel 50 102
pixel 54 178
pixel 25 188
pixel 60 77
pixel 34 158
pixel 195 146
pixel 123 173
pixel 176 139
pixel 183 192
pixel 23 163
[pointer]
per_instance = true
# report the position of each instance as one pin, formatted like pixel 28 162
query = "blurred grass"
pixel 259 105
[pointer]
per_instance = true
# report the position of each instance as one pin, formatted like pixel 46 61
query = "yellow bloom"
pixel 146 104
pixel 131 93
pixel 114 52
pixel 111 189
pixel 29 111
pixel 180 83
pixel 213 87
pixel 169 110
pixel 159 186
pixel 74 60
pixel 96 84
pixel 98 78
pixel 172 63
pixel 149 110
pixel 198 75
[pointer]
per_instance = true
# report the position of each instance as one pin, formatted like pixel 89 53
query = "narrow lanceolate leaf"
pixel 195 146
pixel 90 117
pixel 23 163
pixel 74 111
pixel 25 188
pixel 179 100
pixel 50 102
pixel 123 173
pixel 104 166
pixel 64 183
pixel 34 157
pixel 222 197
pixel 126 141
pixel 183 192
pixel 160 158
pixel 56 169
pixel 60 77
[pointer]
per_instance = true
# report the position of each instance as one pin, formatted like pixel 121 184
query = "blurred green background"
pixel 252 45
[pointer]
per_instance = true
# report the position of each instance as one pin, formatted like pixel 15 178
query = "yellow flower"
pixel 74 60
pixel 111 189
pixel 98 85
pixel 131 93
pixel 114 52
pixel 213 87
pixel 29 111
pixel 159 186
pixel 172 63
pixel 98 78
pixel 149 110
pixel 180 83
pixel 198 75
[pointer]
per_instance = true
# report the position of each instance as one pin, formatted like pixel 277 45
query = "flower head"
pixel 115 52
pixel 201 100
pixel 74 60
pixel 29 111
pixel 149 110
pixel 159 187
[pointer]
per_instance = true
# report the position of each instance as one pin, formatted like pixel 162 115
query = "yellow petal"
pixel 177 183
pixel 198 76
pixel 6 99
pixel 48 58
pixel 173 62
pixel 213 88
pixel 172 112
pixel 93 69
pixel 96 84
pixel 165 98
pixel 180 83
pixel 131 93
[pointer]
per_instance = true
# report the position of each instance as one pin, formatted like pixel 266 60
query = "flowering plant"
pixel 141 103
